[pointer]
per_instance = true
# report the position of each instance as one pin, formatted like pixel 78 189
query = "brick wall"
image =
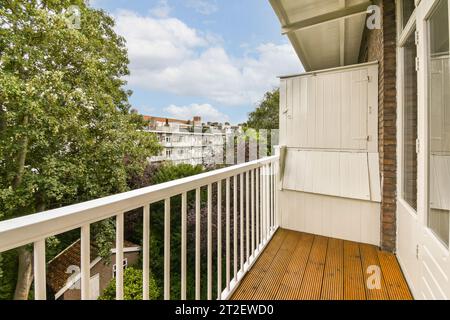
pixel 380 45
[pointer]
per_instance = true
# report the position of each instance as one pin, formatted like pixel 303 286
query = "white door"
pixel 408 227
pixel 433 206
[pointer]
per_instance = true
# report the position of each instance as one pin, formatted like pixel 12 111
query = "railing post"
pixel 219 240
pixel 85 262
pixel 40 290
pixel 241 217
pixel 258 204
pixel 197 245
pixel 253 209
pixel 227 236
pixel 183 244
pixel 235 226
pixel 119 256
pixel 209 242
pixel 247 214
pixel 146 253
pixel 167 249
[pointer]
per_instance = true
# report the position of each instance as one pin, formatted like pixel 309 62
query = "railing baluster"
pixel 258 231
pixel 183 244
pixel 227 236
pixel 146 253
pixel 209 242
pixel 219 240
pixel 277 222
pixel 247 214
pixel 119 256
pixel 197 245
pixel 167 249
pixel 267 201
pixel 235 226
pixel 263 205
pixel 272 194
pixel 241 216
pixel 40 292
pixel 85 262
pixel 253 209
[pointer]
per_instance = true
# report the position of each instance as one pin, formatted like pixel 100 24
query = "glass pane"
pixel 410 123
pixel 408 9
pixel 439 114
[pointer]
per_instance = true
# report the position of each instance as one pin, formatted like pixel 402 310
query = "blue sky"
pixel 213 58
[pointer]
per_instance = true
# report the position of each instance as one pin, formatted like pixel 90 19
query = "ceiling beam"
pixel 327 17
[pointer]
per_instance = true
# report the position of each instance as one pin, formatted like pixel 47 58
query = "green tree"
pixel 266 115
pixel 132 286
pixel 67 134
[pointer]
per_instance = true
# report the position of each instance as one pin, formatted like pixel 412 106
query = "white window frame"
pixel 403 34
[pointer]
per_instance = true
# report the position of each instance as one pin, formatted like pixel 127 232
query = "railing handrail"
pixel 28 229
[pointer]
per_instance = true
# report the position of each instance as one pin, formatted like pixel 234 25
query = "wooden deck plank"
pixel 333 279
pixel 252 279
pixel 296 265
pixel 292 279
pixel 354 288
pixel 312 281
pixel 395 281
pixel 369 259
pixel 268 287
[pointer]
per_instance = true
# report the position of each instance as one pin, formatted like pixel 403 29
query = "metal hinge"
pixel 417 146
pixel 417 252
pixel 417 64
pixel 417 38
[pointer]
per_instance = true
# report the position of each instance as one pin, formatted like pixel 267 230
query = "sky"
pixel 212 58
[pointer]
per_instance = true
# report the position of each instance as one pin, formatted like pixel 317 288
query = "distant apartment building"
pixel 189 141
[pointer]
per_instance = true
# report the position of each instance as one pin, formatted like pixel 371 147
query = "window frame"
pixel 403 34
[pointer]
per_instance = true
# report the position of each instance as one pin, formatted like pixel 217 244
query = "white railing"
pixel 258 218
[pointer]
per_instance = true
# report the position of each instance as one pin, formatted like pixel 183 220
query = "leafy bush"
pixel 133 286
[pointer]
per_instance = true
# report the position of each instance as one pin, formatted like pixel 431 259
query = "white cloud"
pixel 169 56
pixel 205 7
pixel 206 111
pixel 162 9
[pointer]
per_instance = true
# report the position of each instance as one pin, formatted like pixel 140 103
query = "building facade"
pixel 189 141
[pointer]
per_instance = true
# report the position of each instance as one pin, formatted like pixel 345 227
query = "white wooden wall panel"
pixel 283 120
pixel 342 174
pixel 348 219
pixel 330 110
pixel 374 176
pixel 331 182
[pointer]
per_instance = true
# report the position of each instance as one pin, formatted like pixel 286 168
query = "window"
pixel 114 269
pixel 168 152
pixel 168 139
pixel 408 7
pixel 409 162
pixel 439 121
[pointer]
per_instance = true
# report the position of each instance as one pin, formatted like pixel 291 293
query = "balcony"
pixel 247 255
pixel 300 266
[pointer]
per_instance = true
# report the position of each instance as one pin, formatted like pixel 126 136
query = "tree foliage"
pixel 132 286
pixel 67 134
pixel 266 115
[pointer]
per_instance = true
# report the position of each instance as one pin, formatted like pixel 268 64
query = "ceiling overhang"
pixel 324 33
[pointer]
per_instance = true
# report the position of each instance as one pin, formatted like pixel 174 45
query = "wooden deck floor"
pixel 299 266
